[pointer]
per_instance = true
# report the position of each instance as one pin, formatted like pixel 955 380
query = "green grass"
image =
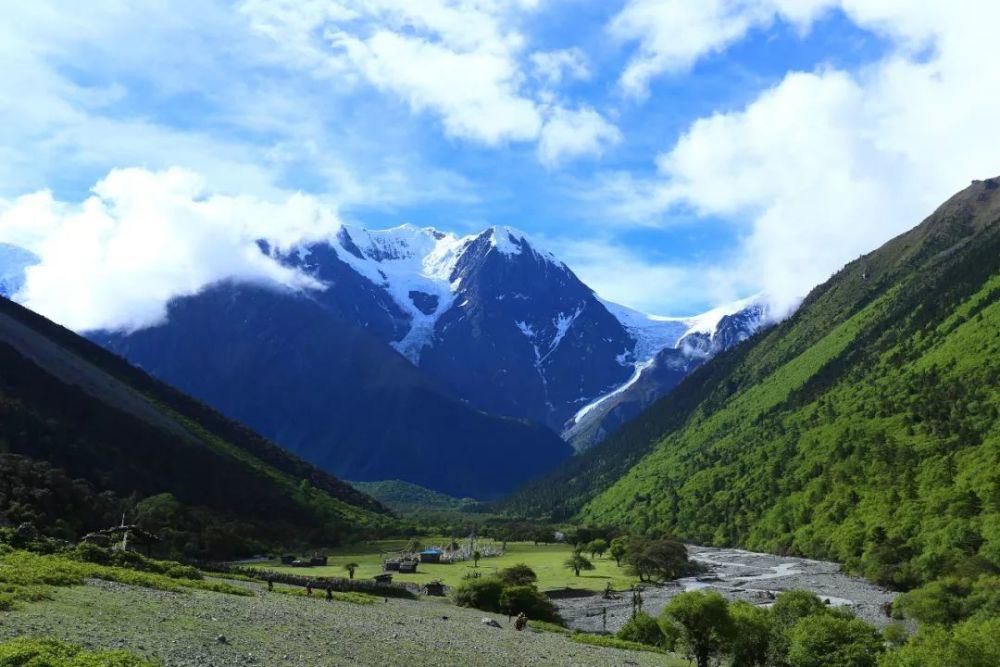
pixel 613 642
pixel 545 559
pixel 32 652
pixel 28 577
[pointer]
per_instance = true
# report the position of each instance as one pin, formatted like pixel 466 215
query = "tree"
pixel 350 567
pixel 476 557
pixel 414 545
pixel 698 623
pixel 578 562
pixel 972 643
pixel 597 547
pixel 750 646
pixel 618 548
pixel 663 559
pixel 833 641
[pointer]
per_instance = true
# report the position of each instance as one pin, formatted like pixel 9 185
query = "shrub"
pixel 527 599
pixel 518 575
pixel 51 653
pixel 483 593
pixel 642 629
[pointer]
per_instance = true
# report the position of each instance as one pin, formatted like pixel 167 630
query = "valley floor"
pixel 278 629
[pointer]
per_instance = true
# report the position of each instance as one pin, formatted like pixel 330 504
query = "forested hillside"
pixel 86 437
pixel 863 429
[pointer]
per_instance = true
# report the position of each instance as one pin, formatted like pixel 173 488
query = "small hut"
pixel 435 588
pixel 408 567
pixel 384 578
pixel 430 556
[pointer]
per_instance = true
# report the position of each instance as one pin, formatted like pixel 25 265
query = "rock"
pixel 221 639
pixel 490 622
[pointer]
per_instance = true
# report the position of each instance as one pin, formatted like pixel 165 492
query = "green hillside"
pixel 863 429
pixel 408 498
pixel 85 438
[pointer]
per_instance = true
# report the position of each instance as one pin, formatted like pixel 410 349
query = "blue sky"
pixel 675 154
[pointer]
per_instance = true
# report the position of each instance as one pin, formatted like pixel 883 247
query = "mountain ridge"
pixel 863 429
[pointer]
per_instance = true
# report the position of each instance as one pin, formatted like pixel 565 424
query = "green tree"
pixel 619 548
pixel 698 623
pixel 414 545
pixel 827 640
pixel 578 562
pixel 972 643
pixel 350 567
pixel 476 557
pixel 597 547
pixel 752 630
pixel 659 559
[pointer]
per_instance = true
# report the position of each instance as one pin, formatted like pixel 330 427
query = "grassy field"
pixel 545 559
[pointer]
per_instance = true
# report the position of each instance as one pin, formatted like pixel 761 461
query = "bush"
pixel 483 593
pixel 527 599
pixel 518 575
pixel 51 653
pixel 642 629
pixel 832 641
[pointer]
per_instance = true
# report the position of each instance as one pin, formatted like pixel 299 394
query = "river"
pixel 738 575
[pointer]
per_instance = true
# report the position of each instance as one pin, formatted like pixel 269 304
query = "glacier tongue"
pixel 406 260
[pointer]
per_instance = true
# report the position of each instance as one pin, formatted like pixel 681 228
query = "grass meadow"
pixel 545 559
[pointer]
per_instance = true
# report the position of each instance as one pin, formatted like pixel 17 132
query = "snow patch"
pixel 526 329
pixel 405 259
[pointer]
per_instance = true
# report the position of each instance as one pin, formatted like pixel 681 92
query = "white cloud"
pixel 553 66
pixel 620 274
pixel 570 134
pixel 463 60
pixel 475 92
pixel 116 259
pixel 829 164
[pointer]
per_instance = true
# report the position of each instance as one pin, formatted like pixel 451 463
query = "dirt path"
pixel 739 575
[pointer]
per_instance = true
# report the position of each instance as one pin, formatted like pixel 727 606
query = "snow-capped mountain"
pixel 488 320
pixel 491 317
pixel 14 261
pixel 705 336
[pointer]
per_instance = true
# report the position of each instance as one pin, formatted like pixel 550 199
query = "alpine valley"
pixel 452 362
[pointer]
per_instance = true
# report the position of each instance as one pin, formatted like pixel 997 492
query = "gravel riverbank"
pixel 739 575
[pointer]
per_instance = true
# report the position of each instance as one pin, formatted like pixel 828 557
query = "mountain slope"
pixel 282 363
pixel 864 428
pixel 706 337
pixel 69 408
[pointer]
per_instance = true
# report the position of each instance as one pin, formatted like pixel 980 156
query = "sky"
pixel 675 154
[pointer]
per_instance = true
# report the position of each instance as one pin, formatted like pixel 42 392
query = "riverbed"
pixel 738 575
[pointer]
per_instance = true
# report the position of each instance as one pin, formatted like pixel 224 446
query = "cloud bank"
pixel 114 260
pixel 826 164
